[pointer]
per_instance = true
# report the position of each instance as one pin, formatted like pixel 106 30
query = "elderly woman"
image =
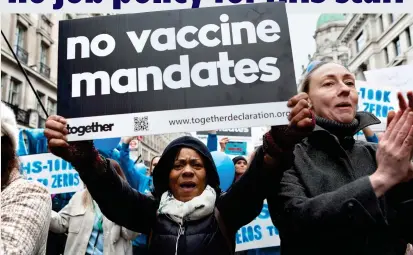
pixel 342 196
pixel 187 214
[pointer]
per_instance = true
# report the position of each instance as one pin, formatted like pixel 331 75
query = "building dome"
pixel 329 17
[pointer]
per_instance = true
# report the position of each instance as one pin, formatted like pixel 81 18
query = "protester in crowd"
pixel 83 220
pixel 25 205
pixel 344 196
pixel 32 141
pixel 154 162
pixel 135 177
pixel 240 164
pixel 181 214
pixel 370 135
pixel 140 183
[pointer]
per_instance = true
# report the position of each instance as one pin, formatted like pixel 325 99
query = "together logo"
pixel 94 128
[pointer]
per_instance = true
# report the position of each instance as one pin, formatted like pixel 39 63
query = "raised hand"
pixel 301 123
pixel 223 143
pixel 402 105
pixel 56 132
pixel 395 151
pixel 301 116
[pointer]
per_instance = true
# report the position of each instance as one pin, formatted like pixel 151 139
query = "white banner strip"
pixel 175 121
pixel 109 6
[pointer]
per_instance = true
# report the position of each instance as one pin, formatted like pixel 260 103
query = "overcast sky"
pixel 302 28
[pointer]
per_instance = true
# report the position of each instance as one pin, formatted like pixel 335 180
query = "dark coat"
pixel 326 203
pixel 135 211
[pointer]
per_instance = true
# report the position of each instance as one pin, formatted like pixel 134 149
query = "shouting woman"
pixel 187 214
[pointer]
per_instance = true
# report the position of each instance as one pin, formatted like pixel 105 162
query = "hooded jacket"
pixel 326 203
pixel 138 212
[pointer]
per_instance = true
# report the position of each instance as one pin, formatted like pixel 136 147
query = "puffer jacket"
pixel 138 212
pixel 193 237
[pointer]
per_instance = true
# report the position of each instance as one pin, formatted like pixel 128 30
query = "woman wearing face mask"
pixel 25 205
pixel 83 220
pixel 187 213
pixel 342 196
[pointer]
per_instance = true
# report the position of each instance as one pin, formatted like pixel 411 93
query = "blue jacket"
pixel 36 144
pixel 212 142
pixel 136 179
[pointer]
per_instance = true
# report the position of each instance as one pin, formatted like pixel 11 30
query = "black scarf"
pixel 343 131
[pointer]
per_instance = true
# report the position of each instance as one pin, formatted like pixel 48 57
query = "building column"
pixel 6 88
pixel 13 26
pixel 31 100
pixel 403 41
pixel 391 49
pixel 23 94
pixel 386 21
pixel 411 34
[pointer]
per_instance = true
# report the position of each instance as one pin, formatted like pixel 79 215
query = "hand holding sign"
pixel 302 122
pixel 301 116
pixel 56 133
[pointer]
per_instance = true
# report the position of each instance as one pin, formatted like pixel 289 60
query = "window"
pixel 39 107
pixel 44 57
pixel 397 46
pixel 20 35
pixel 409 38
pixel 14 92
pixel 44 52
pixel 3 80
pixel 391 18
pixel 360 42
pixel 19 46
pixel 3 86
pixel 51 106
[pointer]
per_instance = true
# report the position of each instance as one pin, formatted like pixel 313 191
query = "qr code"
pixel 141 124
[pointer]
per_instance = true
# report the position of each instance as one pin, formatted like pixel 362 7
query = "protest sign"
pixel 229 132
pixel 236 148
pixel 396 79
pixel 376 100
pixel 259 233
pixel 175 71
pixel 53 172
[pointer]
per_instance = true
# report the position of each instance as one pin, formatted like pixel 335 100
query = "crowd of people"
pixel 327 193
